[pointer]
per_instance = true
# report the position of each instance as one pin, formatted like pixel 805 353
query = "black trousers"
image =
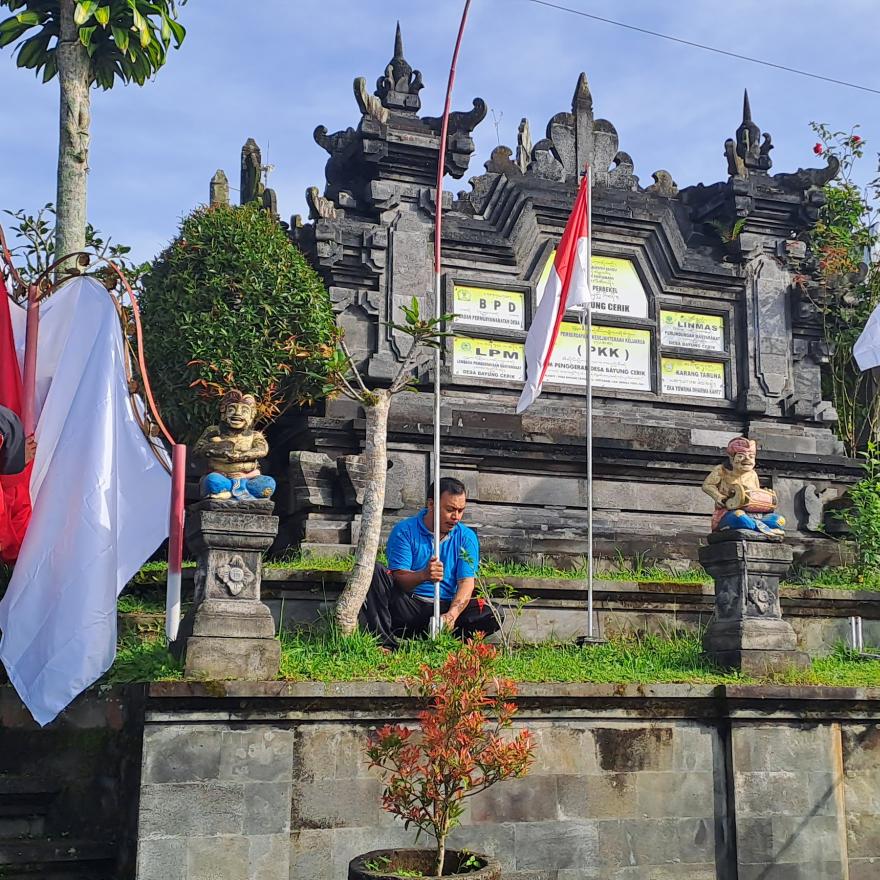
pixel 390 613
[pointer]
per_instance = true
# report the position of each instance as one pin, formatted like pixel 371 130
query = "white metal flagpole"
pixel 588 317
pixel 438 306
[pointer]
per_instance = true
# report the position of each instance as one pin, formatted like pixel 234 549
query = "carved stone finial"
pixel 251 187
pixel 219 189
pixel 399 88
pixel 369 104
pixel 500 162
pixel 319 207
pixel 808 178
pixel 524 145
pixel 270 201
pixel 460 121
pixel 663 184
pixel 748 153
pixel 748 136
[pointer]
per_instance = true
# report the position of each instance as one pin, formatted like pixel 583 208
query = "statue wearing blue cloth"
pixel 233 450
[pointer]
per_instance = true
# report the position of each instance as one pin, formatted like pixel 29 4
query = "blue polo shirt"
pixel 410 547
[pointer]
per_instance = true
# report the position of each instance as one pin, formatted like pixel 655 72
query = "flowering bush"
pixel 843 244
pixel 459 749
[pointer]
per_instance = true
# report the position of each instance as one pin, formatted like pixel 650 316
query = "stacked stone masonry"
pixel 630 783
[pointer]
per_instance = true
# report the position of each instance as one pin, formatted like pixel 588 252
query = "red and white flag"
pixel 15 499
pixel 567 287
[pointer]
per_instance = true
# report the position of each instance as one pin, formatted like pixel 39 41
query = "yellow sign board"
pixel 617 288
pixel 621 358
pixel 488 359
pixel 692 378
pixel 692 330
pixel 487 307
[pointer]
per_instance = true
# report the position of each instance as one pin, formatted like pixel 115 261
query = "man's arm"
pixel 409 580
pixel 465 576
pixel 459 603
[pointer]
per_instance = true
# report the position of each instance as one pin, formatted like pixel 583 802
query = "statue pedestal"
pixel 230 634
pixel 747 631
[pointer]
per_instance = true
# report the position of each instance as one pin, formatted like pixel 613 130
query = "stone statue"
pixel 740 502
pixel 233 451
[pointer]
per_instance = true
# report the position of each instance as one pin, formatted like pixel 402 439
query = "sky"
pixel 275 69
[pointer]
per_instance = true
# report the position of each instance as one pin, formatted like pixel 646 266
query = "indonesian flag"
pixel 15 500
pixel 567 287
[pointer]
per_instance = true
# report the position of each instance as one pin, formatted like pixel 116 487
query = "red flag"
pixel 568 285
pixel 15 498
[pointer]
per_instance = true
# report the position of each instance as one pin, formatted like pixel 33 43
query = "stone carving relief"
pixel 235 575
pixel 760 598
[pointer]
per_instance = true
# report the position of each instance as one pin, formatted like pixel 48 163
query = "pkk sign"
pixel 621 358
pixel 692 330
pixel 617 289
pixel 692 378
pixel 488 307
pixel 488 359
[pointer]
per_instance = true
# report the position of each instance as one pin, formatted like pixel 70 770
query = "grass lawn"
pixel 327 656
pixel 620 569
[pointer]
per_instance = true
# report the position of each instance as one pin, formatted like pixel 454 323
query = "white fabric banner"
pixel 866 351
pixel 100 505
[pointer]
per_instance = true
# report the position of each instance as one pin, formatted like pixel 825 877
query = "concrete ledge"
pixel 379 701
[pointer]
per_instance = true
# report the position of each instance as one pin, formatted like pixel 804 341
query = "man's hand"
pixel 30 449
pixel 448 620
pixel 433 571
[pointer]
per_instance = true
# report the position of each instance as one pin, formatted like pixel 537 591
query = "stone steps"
pixel 24 803
pixel 65 858
pixel 27 851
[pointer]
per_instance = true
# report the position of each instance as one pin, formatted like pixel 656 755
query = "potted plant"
pixel 457 751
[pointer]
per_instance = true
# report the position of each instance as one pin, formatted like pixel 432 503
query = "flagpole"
pixel 29 373
pixel 588 313
pixel 438 309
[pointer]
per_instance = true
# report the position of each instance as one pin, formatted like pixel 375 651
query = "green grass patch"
pixel 140 659
pixel 838 577
pixel 325 655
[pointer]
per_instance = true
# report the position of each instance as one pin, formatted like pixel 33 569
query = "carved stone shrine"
pixel 702 331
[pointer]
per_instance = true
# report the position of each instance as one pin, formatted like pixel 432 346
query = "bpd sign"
pixel 485 307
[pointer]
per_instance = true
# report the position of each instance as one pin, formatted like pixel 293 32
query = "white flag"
pixel 866 351
pixel 100 506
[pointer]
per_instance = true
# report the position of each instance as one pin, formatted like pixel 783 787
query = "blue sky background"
pixel 285 66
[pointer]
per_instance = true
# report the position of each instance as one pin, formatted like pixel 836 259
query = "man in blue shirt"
pixel 400 602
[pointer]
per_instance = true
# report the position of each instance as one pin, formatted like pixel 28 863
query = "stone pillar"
pixel 747 631
pixel 231 633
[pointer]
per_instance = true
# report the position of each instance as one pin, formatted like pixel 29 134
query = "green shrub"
pixel 862 517
pixel 232 303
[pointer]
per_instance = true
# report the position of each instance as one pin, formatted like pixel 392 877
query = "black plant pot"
pixel 422 860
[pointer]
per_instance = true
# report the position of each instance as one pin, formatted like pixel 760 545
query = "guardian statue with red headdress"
pixel 740 501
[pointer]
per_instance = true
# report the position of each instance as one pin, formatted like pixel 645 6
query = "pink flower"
pixel 818 149
pixel 855 140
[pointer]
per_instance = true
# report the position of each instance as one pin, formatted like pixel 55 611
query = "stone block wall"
pixel 630 783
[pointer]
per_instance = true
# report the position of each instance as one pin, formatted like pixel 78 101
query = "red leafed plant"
pixel 459 749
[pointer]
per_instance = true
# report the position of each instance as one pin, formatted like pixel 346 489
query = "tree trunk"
pixel 73 141
pixel 376 457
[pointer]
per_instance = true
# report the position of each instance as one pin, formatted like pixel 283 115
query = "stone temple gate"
pixel 700 332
